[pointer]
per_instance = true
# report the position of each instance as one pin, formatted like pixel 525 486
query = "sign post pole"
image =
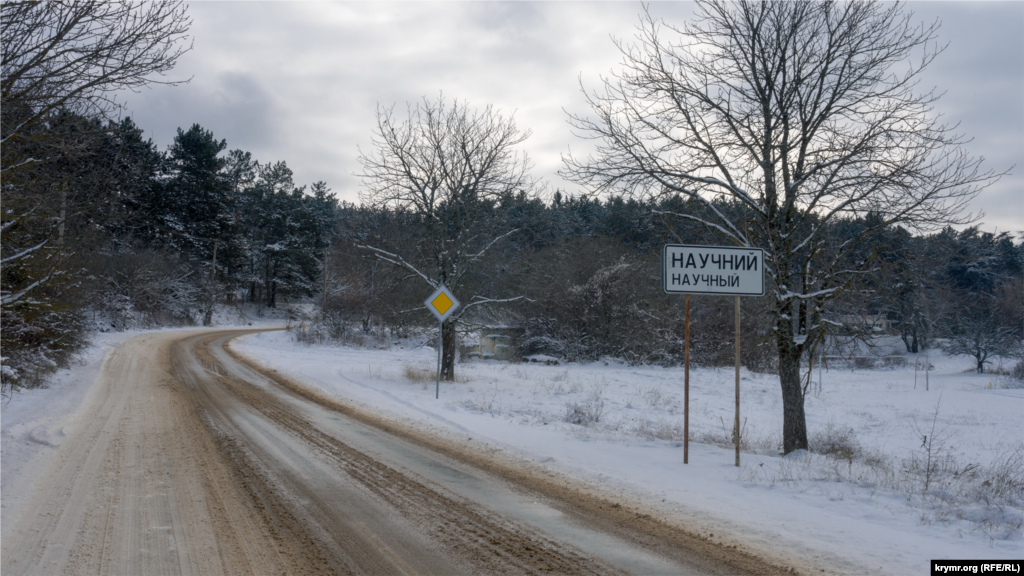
pixel 442 303
pixel 717 271
pixel 440 347
pixel 737 381
pixel 686 385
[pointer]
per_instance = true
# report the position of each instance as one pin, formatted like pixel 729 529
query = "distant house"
pixel 861 323
pixel 496 343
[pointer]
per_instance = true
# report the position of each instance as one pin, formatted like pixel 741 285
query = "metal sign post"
pixel 441 303
pixel 737 434
pixel 686 385
pixel 440 350
pixel 714 270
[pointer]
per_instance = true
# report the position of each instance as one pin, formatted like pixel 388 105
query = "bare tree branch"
pixel 397 260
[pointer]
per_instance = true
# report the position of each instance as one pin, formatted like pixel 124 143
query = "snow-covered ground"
pixel 34 423
pixel 865 508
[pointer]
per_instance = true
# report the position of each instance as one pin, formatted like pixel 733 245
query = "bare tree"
pixel 981 333
pixel 62 59
pixel 802 114
pixel 448 165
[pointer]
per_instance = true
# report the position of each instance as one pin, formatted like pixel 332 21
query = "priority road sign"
pixel 442 303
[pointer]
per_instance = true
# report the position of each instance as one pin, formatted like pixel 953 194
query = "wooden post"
pixel 737 381
pixel 686 385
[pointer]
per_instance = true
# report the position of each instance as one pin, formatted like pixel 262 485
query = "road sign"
pixel 714 270
pixel 718 270
pixel 442 303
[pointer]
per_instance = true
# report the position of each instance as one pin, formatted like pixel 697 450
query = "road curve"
pixel 189 460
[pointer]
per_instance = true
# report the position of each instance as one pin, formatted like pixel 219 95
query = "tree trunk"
pixel 794 422
pixel 909 340
pixel 448 351
pixel 212 295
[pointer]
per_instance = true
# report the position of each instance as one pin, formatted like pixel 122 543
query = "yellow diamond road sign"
pixel 441 303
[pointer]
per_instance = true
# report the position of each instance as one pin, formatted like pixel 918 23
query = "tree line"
pixel 584 274
pixel 132 237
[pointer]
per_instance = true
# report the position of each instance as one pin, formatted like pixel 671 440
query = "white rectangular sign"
pixel 712 270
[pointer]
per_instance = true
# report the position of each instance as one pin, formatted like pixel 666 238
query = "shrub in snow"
pixel 1015 379
pixel 541 346
pixel 37 340
pixel 418 374
pixel 836 441
pixel 334 328
pixel 5 369
pixel 146 289
pixel 587 412
pixel 659 430
pixel 584 413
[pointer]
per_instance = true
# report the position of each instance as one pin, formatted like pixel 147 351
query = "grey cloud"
pixel 234 106
pixel 981 73
pixel 300 81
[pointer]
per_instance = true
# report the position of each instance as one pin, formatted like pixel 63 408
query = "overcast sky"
pixel 300 81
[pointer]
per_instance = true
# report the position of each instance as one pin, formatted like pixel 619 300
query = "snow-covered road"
pixel 866 515
pixel 183 460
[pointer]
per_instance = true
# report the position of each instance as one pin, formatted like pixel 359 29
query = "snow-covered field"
pixel 864 508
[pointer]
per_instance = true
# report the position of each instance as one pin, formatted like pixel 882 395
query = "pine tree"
pixel 197 210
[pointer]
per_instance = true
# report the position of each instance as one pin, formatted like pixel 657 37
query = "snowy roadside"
pixel 845 516
pixel 34 423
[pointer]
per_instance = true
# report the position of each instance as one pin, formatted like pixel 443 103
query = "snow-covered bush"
pixel 146 289
pixel 340 332
pixel 7 375
pixel 38 340
pixel 1015 380
pixel 418 374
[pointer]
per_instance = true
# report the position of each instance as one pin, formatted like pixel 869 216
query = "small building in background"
pixel 496 343
pixel 865 323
